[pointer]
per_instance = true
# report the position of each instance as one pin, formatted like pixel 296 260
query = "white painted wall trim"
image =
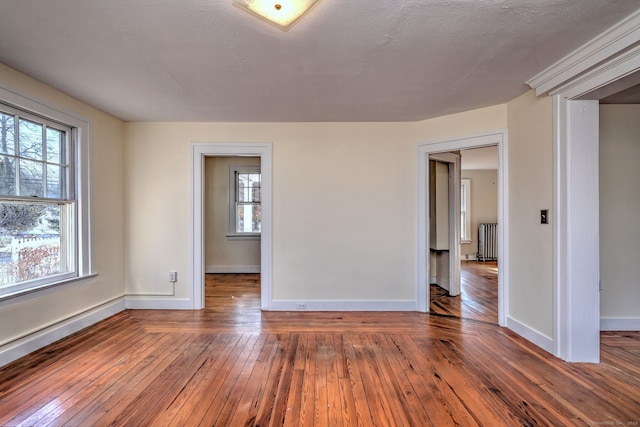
pixel 157 302
pixel 499 138
pixel 544 342
pixel 620 324
pixel 231 269
pixel 576 270
pixel 49 334
pixel 606 59
pixel 598 50
pixel 200 150
pixel 401 305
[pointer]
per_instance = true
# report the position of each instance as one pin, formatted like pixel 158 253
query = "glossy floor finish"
pixel 478 299
pixel 231 365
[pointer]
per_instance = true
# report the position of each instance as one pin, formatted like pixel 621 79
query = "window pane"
pixel 248 218
pixel 55 184
pixel 31 178
pixel 244 187
pixel 254 182
pixel 30 139
pixel 54 145
pixel 248 187
pixel 7 130
pixel 7 176
pixel 30 242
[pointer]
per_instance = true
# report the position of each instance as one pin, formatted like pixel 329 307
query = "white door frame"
pixel 453 184
pixel 199 151
pixel 576 82
pixel 498 138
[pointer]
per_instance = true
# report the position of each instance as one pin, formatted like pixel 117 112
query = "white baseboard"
pixel 36 340
pixel 402 305
pixel 530 334
pixel 157 303
pixel 620 324
pixel 239 269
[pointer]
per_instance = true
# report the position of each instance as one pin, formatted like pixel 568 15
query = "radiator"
pixel 487 242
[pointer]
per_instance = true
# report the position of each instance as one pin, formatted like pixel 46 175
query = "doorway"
pixel 477 298
pixel 497 139
pixel 232 223
pixel 199 152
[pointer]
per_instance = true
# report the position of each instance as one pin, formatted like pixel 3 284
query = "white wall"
pixel 530 121
pixel 223 255
pixel 343 206
pixel 619 213
pixel 484 205
pixel 23 316
pixel 466 123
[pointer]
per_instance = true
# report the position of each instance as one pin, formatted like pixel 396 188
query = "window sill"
pixel 44 287
pixel 464 242
pixel 243 237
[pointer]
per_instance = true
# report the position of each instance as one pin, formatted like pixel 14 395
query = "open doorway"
pixel 200 151
pixel 425 150
pixel 619 154
pixel 232 227
pixel 477 211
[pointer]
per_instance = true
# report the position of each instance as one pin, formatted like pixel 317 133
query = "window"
pixel 245 211
pixel 43 203
pixel 465 210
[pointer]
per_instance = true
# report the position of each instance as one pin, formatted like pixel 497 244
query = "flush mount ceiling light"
pixel 281 13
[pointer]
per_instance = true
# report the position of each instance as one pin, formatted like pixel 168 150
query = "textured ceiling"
pixel 348 60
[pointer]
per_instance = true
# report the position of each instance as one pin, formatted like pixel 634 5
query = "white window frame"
pixel 79 148
pixel 232 233
pixel 465 205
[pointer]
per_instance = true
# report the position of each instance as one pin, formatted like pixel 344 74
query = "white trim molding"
pixel 541 340
pixel 287 305
pixel 200 150
pixel 594 57
pixel 157 302
pixel 232 269
pixel 576 233
pixel 577 82
pixel 620 324
pixel 51 333
pixel 498 138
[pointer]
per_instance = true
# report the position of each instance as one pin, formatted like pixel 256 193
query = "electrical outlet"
pixel 173 276
pixel 301 306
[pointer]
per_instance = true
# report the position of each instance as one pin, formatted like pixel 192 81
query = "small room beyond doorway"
pixel 232 227
pixel 478 298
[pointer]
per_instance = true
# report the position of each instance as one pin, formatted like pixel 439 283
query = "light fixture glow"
pixel 282 13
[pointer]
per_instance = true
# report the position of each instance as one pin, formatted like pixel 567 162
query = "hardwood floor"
pixel 231 365
pixel 478 299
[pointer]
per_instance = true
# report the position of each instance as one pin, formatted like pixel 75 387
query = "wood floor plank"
pixel 237 387
pixel 361 403
pixel 96 372
pixel 249 403
pixel 231 364
pixel 38 392
pixel 327 349
pixel 199 394
pixel 214 401
pixel 308 391
pixel 181 401
pixel 286 377
pixel 109 403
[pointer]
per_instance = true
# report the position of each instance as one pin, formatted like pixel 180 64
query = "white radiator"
pixel 487 242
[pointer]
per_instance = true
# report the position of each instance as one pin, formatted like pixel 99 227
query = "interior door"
pixel 444 218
